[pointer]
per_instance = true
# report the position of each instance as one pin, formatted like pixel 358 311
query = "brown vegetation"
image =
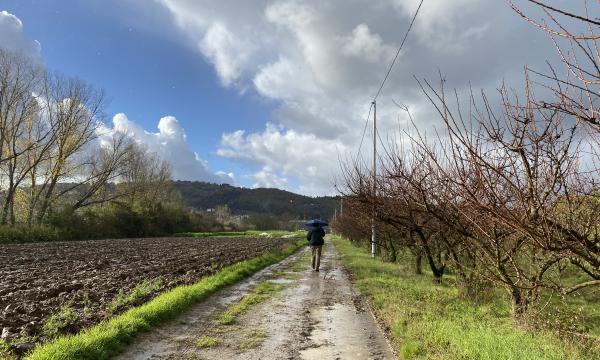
pixel 505 194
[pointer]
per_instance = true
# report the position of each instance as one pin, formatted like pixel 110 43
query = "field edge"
pixel 110 337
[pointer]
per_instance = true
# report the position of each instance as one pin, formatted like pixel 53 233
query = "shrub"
pixel 24 234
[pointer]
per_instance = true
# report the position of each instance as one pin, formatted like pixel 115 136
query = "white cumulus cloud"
pixel 267 179
pixel 12 37
pixel 363 43
pixel 227 53
pixel 286 153
pixel 170 144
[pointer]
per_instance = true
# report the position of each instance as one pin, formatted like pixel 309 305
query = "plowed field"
pixel 85 277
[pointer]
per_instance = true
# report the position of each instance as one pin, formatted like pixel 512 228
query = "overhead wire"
pixel 398 52
pixel 364 131
pixel 387 75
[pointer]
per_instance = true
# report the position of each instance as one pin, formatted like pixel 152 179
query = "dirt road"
pixel 307 315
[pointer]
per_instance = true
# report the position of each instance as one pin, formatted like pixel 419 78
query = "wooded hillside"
pixel 202 196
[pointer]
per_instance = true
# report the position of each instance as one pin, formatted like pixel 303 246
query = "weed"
pixel 58 321
pixel 207 342
pixel 409 350
pixel 253 339
pixel 87 311
pixel 230 314
pixel 260 293
pixel 4 346
pixel 4 349
pixel 139 291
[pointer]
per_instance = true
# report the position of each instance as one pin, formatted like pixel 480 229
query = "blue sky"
pixel 147 73
pixel 273 92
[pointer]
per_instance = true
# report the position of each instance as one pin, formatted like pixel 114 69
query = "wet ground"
pixel 312 315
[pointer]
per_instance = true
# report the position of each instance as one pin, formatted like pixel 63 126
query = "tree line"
pixel 65 175
pixel 500 195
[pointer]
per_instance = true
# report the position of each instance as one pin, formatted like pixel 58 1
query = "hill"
pixel 241 201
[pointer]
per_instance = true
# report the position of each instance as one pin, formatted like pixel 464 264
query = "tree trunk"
pixel 7 201
pixel 392 252
pixel 12 212
pixel 438 273
pixel 520 304
pixel 418 264
pixel 46 202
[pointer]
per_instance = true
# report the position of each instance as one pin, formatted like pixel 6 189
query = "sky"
pixel 272 93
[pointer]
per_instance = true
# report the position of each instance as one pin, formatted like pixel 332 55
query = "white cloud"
pixel 363 43
pixel 170 144
pixel 12 37
pixel 320 63
pixel 286 153
pixel 439 24
pixel 227 53
pixel 267 179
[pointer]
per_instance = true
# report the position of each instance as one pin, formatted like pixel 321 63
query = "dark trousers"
pixel 316 256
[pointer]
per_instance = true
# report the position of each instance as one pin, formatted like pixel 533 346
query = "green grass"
pixel 211 234
pixel 4 348
pixel 248 233
pixel 56 322
pixel 207 342
pixel 139 291
pixel 253 339
pixel 429 321
pixel 260 293
pixel 110 337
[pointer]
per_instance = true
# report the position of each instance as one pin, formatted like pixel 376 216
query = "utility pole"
pixel 342 207
pixel 373 245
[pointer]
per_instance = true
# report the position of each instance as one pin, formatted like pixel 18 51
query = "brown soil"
pixel 37 279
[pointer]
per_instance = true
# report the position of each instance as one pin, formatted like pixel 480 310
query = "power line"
pixel 398 52
pixel 364 131
pixel 387 76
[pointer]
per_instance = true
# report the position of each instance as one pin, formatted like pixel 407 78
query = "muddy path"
pixel 308 315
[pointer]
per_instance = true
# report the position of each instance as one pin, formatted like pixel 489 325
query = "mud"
pixel 318 315
pixel 37 279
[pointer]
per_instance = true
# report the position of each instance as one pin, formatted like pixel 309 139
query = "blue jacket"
pixel 315 236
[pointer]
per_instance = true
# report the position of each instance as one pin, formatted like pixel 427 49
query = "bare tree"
pixel 511 177
pixel 146 178
pixel 74 111
pixel 20 128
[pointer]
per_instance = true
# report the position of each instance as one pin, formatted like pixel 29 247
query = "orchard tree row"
pixel 504 193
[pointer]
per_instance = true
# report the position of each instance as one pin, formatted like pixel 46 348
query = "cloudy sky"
pixel 270 93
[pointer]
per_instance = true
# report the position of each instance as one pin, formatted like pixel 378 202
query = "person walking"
pixel 315 237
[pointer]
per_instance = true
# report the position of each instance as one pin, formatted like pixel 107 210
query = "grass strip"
pixel 247 233
pixel 110 337
pixel 260 293
pixel 430 321
pixel 139 291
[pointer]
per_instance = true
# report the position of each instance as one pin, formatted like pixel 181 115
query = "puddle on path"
pixel 281 281
pixel 337 336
